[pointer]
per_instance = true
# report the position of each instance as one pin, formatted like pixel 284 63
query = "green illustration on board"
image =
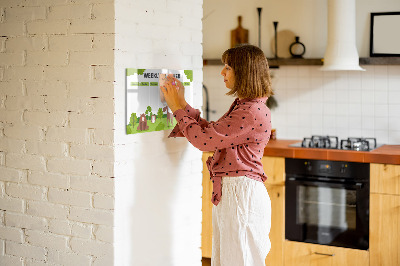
pixel 147 110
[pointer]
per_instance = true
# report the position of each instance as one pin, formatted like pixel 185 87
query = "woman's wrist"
pixel 176 107
pixel 183 104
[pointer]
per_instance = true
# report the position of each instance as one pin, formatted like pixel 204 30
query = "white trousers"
pixel 241 223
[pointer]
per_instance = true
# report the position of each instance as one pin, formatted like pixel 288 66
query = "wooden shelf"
pixel 380 61
pixel 274 63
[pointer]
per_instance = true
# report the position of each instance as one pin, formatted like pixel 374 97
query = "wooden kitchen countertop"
pixel 389 154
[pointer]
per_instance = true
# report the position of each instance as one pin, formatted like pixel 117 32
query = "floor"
pixel 206 261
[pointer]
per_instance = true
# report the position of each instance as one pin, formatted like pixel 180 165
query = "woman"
pixel 242 208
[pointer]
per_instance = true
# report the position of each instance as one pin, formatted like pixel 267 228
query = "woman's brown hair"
pixel 250 66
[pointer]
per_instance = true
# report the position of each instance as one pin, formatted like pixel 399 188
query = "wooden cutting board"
pixel 239 35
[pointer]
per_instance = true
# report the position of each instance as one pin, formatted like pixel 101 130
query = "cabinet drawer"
pixel 305 254
pixel 385 178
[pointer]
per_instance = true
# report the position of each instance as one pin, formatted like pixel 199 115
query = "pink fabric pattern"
pixel 238 139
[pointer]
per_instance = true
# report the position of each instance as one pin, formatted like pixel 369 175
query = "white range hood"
pixel 341 51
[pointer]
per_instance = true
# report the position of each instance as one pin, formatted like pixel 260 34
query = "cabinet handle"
pixel 324 254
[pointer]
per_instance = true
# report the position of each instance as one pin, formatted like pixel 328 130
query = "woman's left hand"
pixel 171 94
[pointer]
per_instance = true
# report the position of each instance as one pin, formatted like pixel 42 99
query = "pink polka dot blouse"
pixel 238 139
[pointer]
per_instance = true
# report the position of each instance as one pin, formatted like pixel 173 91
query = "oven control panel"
pixel 338 169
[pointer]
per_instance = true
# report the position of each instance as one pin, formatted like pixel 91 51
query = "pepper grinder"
pixel 276 39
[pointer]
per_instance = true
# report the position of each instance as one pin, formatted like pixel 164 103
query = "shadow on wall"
pixel 156 190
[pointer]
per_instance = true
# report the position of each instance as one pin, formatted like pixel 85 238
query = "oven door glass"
pixel 327 214
pixel 325 207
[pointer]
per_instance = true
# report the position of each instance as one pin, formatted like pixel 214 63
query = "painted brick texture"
pixel 56 132
pixel 62 135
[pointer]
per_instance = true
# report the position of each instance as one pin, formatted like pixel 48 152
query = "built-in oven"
pixel 327 202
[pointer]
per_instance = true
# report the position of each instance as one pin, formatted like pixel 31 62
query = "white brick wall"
pixel 56 132
pixel 62 137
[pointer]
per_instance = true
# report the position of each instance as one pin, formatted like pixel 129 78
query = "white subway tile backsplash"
pixel 342 109
pixel 355 96
pixel 368 123
pixel 381 84
pixel 292 82
pixel 329 109
pixel 342 122
pixel 291 71
pixel 354 81
pixel 347 103
pixel 367 110
pixel 394 82
pixel 394 137
pixel 381 136
pixel 381 110
pixel 394 97
pixel 342 96
pixel 394 123
pixel 381 97
pixel 304 72
pixel 393 71
pixel 367 96
pixel 394 110
pixel 355 122
pixel 316 82
pixel 303 82
pixel 329 93
pixel 355 132
pixel 380 71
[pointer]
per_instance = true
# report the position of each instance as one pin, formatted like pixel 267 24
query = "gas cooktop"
pixel 332 142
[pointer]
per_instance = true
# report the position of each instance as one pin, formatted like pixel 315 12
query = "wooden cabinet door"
pixel 277 233
pixel 304 254
pixel 206 226
pixel 384 236
pixel 274 168
pixel 385 178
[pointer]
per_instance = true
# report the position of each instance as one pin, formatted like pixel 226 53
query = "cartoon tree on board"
pixel 133 119
pixel 148 111
pixel 189 74
pixel 160 113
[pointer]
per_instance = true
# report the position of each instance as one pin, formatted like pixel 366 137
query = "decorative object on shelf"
pixel 273 134
pixel 271 102
pixel 383 40
pixel 259 9
pixel 276 38
pixel 239 35
pixel 297 49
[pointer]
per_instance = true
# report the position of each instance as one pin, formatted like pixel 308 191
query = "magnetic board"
pixel 146 109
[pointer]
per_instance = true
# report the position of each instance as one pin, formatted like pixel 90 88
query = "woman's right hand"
pixel 181 91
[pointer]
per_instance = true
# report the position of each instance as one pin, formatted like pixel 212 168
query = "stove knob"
pixel 308 166
pixel 343 168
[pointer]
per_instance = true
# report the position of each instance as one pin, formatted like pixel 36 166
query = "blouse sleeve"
pixel 193 113
pixel 231 130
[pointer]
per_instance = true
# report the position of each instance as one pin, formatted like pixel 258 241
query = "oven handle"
pixel 324 254
pixel 357 185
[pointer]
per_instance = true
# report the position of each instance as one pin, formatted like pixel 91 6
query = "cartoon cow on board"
pixel 142 123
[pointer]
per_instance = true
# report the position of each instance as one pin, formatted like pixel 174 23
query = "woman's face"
pixel 229 76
